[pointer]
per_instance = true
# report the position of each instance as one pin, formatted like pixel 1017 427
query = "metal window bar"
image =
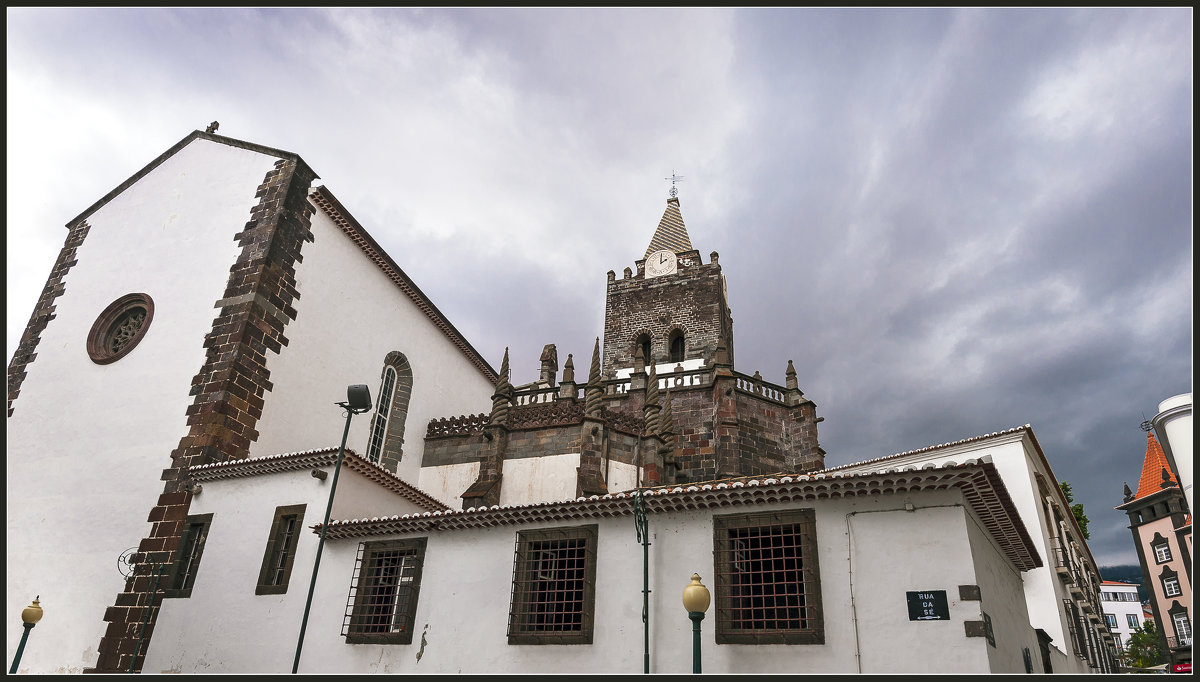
pixel 190 546
pixel 766 576
pixel 553 583
pixel 383 592
pixel 382 406
pixel 285 546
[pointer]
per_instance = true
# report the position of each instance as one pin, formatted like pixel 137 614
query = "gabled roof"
pixel 194 135
pixel 978 480
pixel 671 233
pixel 312 459
pixel 1153 466
pixel 322 198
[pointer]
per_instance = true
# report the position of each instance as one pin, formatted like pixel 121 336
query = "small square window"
pixel 768 588
pixel 281 550
pixel 1111 619
pixel 383 594
pixel 554 586
pixel 1171 587
pixel 187 556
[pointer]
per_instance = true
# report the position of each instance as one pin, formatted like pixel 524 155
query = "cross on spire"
pixel 674 179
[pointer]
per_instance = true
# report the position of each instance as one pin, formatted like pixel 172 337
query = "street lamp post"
pixel 696 600
pixel 358 400
pixel 30 616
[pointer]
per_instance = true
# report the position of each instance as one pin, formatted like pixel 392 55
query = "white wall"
pixel 1179 436
pixel 349 317
pixel 87 443
pixel 198 633
pixel 461 617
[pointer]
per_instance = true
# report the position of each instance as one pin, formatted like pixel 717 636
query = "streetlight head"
pixel 358 398
pixel 695 596
pixel 32 613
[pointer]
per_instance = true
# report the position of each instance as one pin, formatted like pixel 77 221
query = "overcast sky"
pixel 955 222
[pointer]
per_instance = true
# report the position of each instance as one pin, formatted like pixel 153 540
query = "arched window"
pixel 644 342
pixel 386 441
pixel 677 346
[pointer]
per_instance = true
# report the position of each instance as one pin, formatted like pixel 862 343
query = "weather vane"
pixel 674 179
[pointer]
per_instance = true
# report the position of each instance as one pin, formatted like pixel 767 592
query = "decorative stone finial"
pixel 502 398
pixel 1128 493
pixel 212 127
pixel 791 377
pixel 1166 479
pixel 549 360
pixel 569 370
pixel 639 361
pixel 594 395
pixel 651 406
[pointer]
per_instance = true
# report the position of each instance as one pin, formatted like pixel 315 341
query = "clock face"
pixel 661 263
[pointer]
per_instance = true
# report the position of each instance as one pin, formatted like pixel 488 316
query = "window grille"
pixel 767 578
pixel 1162 552
pixel 276 569
pixel 382 405
pixel 187 556
pixel 383 592
pixel 554 586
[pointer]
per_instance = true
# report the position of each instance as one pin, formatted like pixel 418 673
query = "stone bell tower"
pixel 673 308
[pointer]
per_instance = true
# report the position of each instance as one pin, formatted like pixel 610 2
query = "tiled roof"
pixel 312 459
pixel 978 480
pixel 1152 468
pixel 671 233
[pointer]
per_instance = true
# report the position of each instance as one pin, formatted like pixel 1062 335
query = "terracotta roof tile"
pixel 1152 468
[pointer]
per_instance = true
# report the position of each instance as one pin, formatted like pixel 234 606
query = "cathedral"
pixel 178 502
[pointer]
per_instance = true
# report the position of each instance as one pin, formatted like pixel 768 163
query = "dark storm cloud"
pixel 954 221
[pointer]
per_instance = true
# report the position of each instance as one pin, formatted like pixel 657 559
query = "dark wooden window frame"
pixel 794 576
pixel 281 549
pixel 550 585
pixel 188 556
pixel 402 599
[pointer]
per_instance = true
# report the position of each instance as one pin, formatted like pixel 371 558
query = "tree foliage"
pixel 1144 648
pixel 1076 509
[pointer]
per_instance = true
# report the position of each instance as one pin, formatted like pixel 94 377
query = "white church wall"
pixel 447 482
pixel 538 479
pixel 86 439
pixel 622 477
pixel 349 317
pixel 460 622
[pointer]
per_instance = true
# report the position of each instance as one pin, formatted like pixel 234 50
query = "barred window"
pixel 281 550
pixel 383 594
pixel 768 588
pixel 187 556
pixel 554 586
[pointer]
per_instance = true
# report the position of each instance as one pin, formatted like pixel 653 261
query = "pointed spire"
pixel 569 371
pixel 502 398
pixel 1155 471
pixel 639 360
pixel 594 395
pixel 651 406
pixel 671 233
pixel 791 376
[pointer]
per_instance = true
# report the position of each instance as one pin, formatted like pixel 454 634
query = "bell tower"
pixel 673 308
